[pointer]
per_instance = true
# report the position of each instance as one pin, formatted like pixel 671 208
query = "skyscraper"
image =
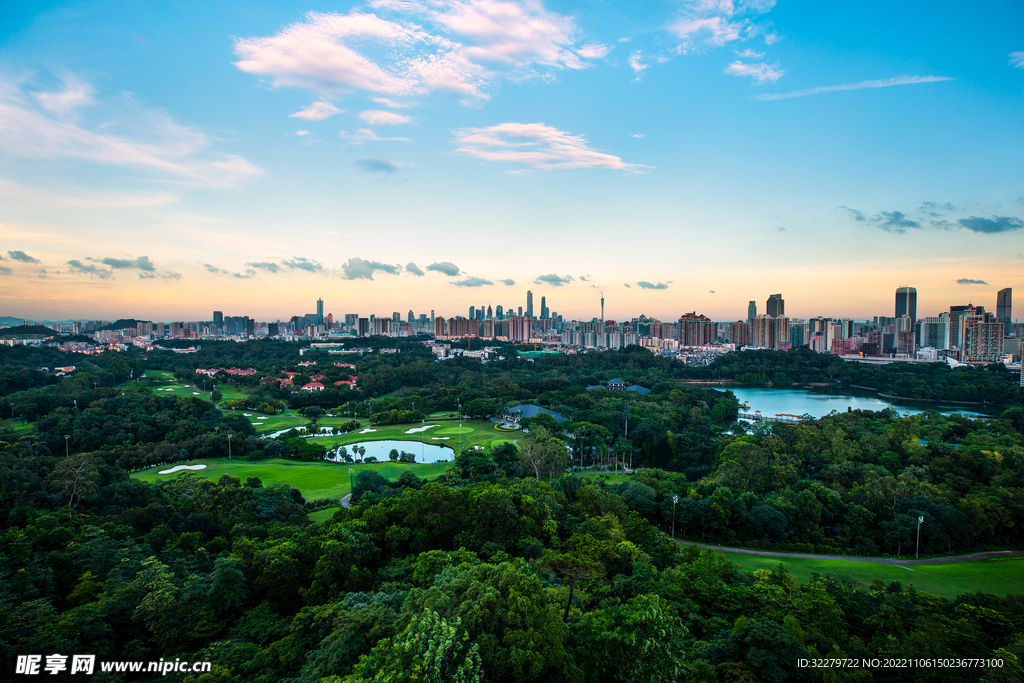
pixel 412 316
pixel 472 312
pixel 544 307
pixel 529 303
pixel 490 313
pixel 602 311
pixel 776 306
pixel 319 311
pixel 1004 309
pixel 906 302
pixel 218 319
pixel 751 311
pixel 498 312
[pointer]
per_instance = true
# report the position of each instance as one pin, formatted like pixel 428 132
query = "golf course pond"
pixel 423 452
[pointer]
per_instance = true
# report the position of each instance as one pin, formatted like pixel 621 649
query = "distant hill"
pixel 23 330
pixel 123 323
pixel 11 320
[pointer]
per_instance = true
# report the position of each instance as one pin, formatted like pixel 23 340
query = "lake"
pixel 800 401
pixel 424 452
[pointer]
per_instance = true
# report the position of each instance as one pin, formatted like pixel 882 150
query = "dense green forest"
pixel 507 567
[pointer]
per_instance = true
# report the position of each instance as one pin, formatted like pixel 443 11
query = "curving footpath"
pixel 849 558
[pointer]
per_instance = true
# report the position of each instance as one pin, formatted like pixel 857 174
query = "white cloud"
pixel 714 23
pixel 456 46
pixel 886 83
pixel 593 51
pixel 366 135
pixel 1017 59
pixel 750 54
pixel 535 145
pixel 318 111
pixel 300 133
pixel 379 117
pixel 65 102
pixel 638 135
pixel 151 141
pixel 638 66
pixel 760 72
pixel 387 102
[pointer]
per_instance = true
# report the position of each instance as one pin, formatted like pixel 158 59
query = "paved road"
pixel 345 500
pixel 847 558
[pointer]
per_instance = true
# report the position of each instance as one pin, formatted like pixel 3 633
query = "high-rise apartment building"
pixel 1004 309
pixel 529 303
pixel 983 338
pixel 906 302
pixel 396 317
pixel 956 322
pixel 776 306
pixel 520 327
pixel 439 328
pixel 739 333
pixel 363 327
pixel 935 332
pixel 695 330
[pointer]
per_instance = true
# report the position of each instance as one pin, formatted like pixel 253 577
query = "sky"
pixel 161 160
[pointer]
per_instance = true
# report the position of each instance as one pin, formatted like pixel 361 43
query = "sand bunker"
pixel 420 429
pixel 439 438
pixel 183 467
pixel 367 431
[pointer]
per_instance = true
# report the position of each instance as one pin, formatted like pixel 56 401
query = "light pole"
pixel 229 446
pixel 675 499
pixel 918 548
pixel 459 401
pixel 351 482
pixel 66 447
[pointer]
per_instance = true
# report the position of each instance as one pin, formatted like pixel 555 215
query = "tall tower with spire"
pixel 602 311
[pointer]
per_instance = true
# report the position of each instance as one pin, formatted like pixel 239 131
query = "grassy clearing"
pixel 321 516
pixel 314 479
pixel 474 433
pixel 946 580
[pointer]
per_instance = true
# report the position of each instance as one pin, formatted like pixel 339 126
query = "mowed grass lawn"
pixel 164 383
pixel 314 479
pixel 946 580
pixel 474 433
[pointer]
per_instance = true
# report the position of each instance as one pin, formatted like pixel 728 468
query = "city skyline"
pixel 690 156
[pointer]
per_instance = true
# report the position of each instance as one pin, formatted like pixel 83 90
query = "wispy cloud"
pixel 643 284
pixel 553 280
pixel 89 269
pixel 761 72
pixel 214 269
pixel 414 269
pixel 367 135
pixel 318 111
pixel 507 281
pixel 703 24
pixel 302 263
pixel 890 221
pixel 1017 59
pixel 380 117
pixel 4 270
pixel 535 145
pixel 456 46
pixel 23 257
pixel 446 267
pixel 141 263
pixel 268 266
pixel 379 165
pixel 41 125
pixel 968 281
pixel 472 282
pixel 636 63
pixel 885 83
pixel 357 268
pixel 991 225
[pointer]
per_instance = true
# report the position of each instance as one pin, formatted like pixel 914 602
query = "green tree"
pixel 428 650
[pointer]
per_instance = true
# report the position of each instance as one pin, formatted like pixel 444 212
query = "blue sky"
pixel 162 159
